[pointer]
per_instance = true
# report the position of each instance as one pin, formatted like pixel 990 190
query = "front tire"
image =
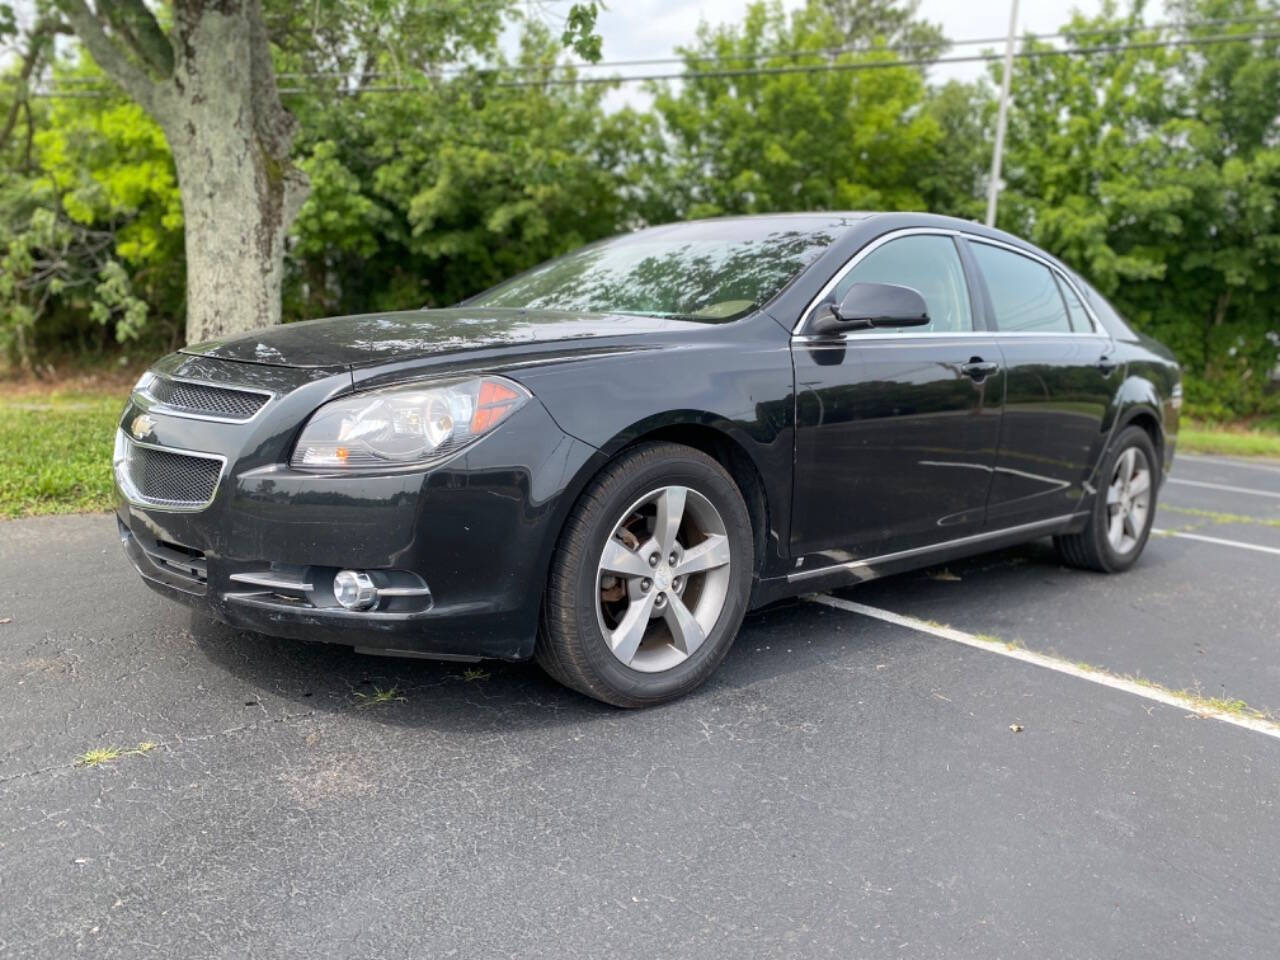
pixel 1123 509
pixel 650 578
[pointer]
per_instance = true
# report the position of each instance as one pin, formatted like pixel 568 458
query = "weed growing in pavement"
pixel 100 755
pixel 390 695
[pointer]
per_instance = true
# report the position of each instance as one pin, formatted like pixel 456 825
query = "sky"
pixel 634 29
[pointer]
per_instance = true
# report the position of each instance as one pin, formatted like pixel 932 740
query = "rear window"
pixel 1023 292
pixel 1107 315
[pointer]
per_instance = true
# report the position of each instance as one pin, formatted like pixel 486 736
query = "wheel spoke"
pixel 711 553
pixel 685 629
pixel 1124 469
pixel 1129 527
pixel 670 514
pixel 619 560
pixel 1114 492
pixel 1138 519
pixel 1141 484
pixel 625 640
pixel 1115 530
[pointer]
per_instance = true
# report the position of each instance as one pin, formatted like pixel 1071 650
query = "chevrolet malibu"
pixel 605 462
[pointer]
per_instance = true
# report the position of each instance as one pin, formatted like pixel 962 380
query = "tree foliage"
pixel 758 142
pixel 1156 172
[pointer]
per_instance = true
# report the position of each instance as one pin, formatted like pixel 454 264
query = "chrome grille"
pixel 206 399
pixel 166 478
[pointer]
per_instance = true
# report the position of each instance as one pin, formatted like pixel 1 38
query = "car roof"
pixel 865 224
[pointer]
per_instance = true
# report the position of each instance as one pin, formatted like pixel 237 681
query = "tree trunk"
pixel 233 208
pixel 231 139
pixel 211 86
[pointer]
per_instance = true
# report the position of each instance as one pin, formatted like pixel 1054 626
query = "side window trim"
pixel 1095 325
pixel 979 295
pixel 1062 295
pixel 977 310
pixel 983 310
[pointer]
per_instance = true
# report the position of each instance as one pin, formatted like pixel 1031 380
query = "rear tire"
pixel 623 623
pixel 1123 510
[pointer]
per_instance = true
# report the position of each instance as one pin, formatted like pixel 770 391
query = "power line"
pixel 770 71
pixel 486 69
pixel 820 51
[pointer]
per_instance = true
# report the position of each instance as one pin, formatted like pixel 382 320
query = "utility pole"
pixel 993 188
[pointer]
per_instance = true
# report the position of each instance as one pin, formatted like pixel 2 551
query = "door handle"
pixel 979 369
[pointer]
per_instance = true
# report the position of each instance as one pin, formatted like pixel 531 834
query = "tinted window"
pixel 1023 292
pixel 1075 309
pixel 928 264
pixel 711 271
pixel 1110 320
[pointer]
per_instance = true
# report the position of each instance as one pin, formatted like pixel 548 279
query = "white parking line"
pixel 1218 540
pixel 1227 487
pixel 1226 461
pixel 1158 694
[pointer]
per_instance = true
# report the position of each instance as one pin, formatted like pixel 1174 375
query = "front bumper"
pixel 476 531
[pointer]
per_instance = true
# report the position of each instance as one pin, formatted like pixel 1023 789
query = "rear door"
pixel 896 430
pixel 1061 377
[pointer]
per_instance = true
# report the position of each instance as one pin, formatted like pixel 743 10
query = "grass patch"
pixel 1228 440
pixel 379 696
pixel 57 450
pixel 471 673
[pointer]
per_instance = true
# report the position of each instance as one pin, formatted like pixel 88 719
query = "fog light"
pixel 354 590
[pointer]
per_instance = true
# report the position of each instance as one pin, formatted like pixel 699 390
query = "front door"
pixel 1062 379
pixel 896 431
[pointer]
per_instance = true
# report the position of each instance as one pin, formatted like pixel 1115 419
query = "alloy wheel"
pixel 663 578
pixel 1128 500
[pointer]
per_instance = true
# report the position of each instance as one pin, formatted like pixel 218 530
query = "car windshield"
pixel 712 271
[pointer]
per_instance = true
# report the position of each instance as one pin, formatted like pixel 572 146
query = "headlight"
pixel 405 425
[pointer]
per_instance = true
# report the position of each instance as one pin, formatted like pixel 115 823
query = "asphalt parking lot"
pixel 843 787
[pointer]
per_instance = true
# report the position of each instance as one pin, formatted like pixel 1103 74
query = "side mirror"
pixel 873 305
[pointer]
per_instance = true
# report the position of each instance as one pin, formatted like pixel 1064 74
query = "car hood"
pixel 375 338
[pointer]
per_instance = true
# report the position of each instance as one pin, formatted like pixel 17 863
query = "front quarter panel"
pixel 735 379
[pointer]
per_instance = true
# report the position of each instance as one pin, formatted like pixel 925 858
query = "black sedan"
pixel 604 462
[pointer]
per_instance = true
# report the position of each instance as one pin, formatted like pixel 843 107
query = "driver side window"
pixel 930 265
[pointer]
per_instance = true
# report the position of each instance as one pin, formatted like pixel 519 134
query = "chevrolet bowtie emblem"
pixel 141 426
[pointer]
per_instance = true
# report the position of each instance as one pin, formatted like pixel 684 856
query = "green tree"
pixel 433 193
pixel 1156 171
pixel 209 80
pixel 768 141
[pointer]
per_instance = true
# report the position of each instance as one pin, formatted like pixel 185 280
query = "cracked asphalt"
pixel 842 787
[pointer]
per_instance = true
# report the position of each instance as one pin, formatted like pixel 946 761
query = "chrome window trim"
pixel 844 338
pixel 152 404
pixel 852 565
pixel 134 496
pixel 1097 331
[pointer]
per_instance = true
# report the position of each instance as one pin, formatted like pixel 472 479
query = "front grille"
pixel 166 478
pixel 205 399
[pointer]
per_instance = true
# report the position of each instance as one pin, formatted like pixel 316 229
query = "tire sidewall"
pixel 1114 561
pixel 714 484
